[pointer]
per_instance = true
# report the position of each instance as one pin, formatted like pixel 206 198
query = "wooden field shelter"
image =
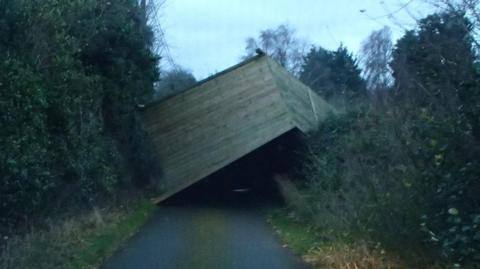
pixel 226 116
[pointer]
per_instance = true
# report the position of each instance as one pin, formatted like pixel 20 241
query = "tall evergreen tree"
pixel 437 93
pixel 334 75
pixel 435 65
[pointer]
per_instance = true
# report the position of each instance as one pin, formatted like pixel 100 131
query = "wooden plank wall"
pixel 206 128
pixel 307 108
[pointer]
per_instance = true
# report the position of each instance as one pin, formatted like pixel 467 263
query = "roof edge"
pixel 203 81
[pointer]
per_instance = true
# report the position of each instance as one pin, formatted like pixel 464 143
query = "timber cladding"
pixel 227 116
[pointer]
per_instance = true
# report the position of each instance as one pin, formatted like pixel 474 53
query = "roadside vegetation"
pixel 392 179
pixel 71 76
pixel 305 239
pixel 83 241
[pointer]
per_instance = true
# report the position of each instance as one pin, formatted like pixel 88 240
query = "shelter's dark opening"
pixel 249 181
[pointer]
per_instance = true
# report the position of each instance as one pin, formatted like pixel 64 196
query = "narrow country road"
pixel 205 237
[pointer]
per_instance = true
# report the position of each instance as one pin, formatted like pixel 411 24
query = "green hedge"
pixel 71 74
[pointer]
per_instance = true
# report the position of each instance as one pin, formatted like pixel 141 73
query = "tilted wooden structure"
pixel 227 116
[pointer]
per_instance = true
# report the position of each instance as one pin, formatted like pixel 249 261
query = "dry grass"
pixel 361 256
pixel 81 242
pixel 52 246
pixel 348 257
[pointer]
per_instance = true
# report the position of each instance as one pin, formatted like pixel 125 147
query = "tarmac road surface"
pixel 205 237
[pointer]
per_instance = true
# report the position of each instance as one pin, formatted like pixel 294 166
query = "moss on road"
pixel 209 231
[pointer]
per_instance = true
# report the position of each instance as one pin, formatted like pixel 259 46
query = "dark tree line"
pixel 335 76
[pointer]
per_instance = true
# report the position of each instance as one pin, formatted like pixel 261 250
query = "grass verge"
pixel 299 237
pixel 85 241
pixel 305 240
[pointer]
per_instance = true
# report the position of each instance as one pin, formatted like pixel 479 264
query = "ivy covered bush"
pixel 71 74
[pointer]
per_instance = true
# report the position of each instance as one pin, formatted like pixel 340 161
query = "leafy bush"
pixel 406 173
pixel 360 180
pixel 71 74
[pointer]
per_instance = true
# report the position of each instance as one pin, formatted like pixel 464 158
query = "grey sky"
pixel 206 36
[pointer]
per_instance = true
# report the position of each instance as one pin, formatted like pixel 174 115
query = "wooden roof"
pixel 227 116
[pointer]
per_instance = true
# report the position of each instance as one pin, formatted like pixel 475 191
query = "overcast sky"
pixel 207 36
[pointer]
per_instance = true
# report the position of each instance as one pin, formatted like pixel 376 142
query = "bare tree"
pixel 471 8
pixel 376 54
pixel 151 14
pixel 281 44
